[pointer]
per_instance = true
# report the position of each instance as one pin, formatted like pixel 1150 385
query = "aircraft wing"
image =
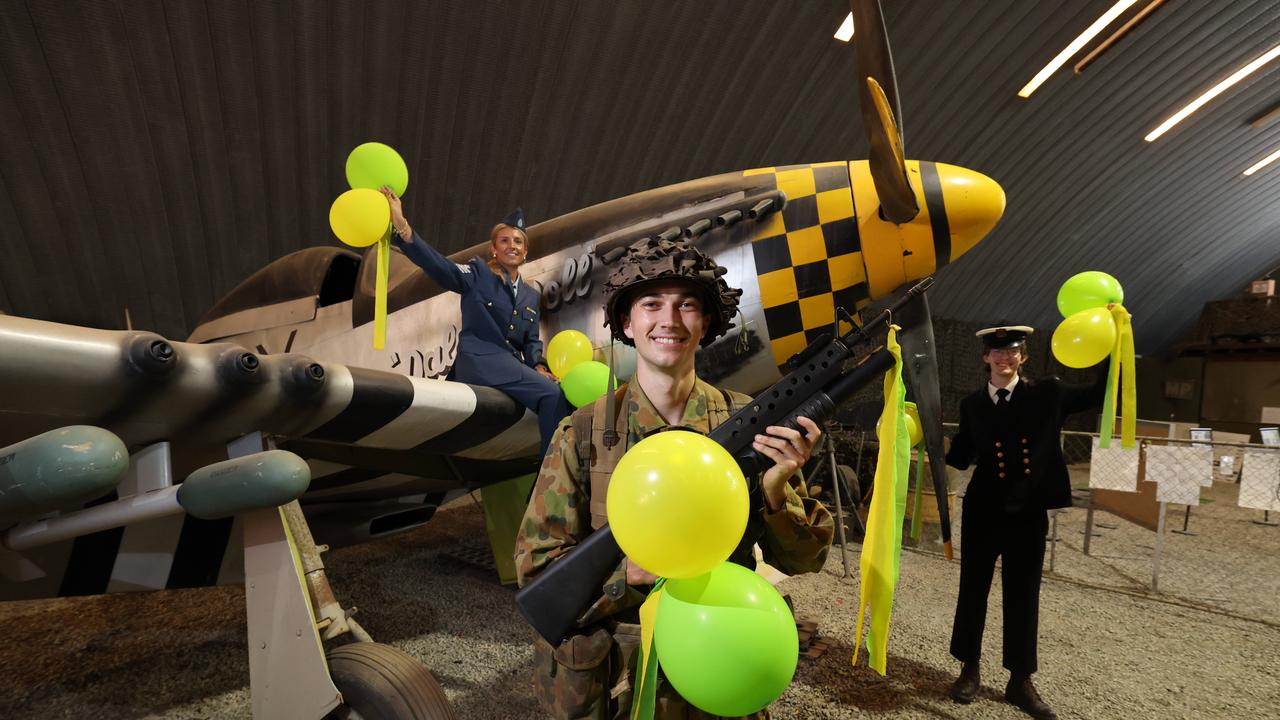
pixel 199 397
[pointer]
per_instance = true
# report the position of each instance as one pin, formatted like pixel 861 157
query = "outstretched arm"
pixel 450 275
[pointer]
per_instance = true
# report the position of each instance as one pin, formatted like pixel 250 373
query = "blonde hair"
pixel 493 232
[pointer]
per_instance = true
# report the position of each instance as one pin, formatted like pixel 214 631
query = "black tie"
pixel 1002 397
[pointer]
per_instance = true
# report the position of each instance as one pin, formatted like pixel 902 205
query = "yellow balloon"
pixel 567 349
pixel 915 430
pixel 360 217
pixel 677 504
pixel 1085 338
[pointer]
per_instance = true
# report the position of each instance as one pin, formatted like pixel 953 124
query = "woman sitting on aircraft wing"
pixel 499 344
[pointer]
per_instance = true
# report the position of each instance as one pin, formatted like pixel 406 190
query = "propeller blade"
pixel 919 355
pixel 881 113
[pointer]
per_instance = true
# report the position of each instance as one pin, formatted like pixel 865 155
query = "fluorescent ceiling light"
pixel 1263 163
pixel 1061 58
pixel 1213 92
pixel 845 33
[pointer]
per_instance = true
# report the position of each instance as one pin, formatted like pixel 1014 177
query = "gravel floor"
pixel 1105 653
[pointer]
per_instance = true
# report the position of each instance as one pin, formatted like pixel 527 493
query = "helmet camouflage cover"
pixel 651 261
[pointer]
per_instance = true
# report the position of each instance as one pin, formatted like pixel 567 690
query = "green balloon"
pixel 1089 289
pixel 726 640
pixel 585 382
pixel 373 165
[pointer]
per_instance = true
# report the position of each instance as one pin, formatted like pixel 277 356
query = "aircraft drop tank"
pixel 57 470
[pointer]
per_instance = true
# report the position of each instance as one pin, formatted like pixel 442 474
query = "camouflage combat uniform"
pixel 590 675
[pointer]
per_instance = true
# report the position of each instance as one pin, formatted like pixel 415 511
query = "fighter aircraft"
pixel 282 370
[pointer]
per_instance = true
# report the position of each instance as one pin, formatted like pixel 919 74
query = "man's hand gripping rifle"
pixel 816 385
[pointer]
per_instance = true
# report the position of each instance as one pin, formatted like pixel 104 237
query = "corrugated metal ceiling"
pixel 157 153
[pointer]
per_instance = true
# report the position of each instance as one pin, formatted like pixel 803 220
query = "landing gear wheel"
pixel 379 682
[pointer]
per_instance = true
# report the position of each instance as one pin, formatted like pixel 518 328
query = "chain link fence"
pixel 1193 521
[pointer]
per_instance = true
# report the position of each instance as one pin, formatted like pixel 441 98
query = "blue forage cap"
pixel 515 219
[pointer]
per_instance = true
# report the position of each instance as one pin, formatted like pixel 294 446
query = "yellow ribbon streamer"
pixel 1129 379
pixel 380 293
pixel 1122 376
pixel 643 699
pixel 883 544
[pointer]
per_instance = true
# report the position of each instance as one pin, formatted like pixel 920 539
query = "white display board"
pixel 1114 468
pixel 1179 472
pixel 1260 480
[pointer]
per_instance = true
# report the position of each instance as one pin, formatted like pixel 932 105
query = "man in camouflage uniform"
pixel 665 299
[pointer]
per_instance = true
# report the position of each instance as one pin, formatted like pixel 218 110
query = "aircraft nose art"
pixel 808 257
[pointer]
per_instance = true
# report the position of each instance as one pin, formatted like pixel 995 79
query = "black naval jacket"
pixel 1018 451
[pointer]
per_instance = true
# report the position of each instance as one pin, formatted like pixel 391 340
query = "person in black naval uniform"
pixel 1010 428
pixel 499 344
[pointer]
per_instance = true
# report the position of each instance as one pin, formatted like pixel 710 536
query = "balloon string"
pixel 380 294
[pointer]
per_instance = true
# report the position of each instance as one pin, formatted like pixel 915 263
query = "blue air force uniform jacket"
pixel 1017 450
pixel 496 326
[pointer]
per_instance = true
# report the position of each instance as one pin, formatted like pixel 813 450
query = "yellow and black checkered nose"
pixel 830 248
pixel 958 207
pixel 808 257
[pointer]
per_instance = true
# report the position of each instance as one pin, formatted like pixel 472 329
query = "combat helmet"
pixel 650 261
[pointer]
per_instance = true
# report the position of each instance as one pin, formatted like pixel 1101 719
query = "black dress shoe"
pixel 965 688
pixel 1022 693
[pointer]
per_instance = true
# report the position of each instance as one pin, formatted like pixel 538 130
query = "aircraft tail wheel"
pixel 379 682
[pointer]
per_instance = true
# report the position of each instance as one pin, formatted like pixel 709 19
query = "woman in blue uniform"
pixel 499 344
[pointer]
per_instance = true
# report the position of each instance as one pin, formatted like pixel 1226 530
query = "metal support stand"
pixel 1089 534
pixel 1155 561
pixel 1186 519
pixel 835 489
pixel 1053 541
pixel 288 675
pixel 857 463
pixel 1266 520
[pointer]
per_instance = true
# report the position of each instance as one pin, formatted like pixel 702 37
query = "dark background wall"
pixel 155 153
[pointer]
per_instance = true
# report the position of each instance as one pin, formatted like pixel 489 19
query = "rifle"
pixel 815 386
